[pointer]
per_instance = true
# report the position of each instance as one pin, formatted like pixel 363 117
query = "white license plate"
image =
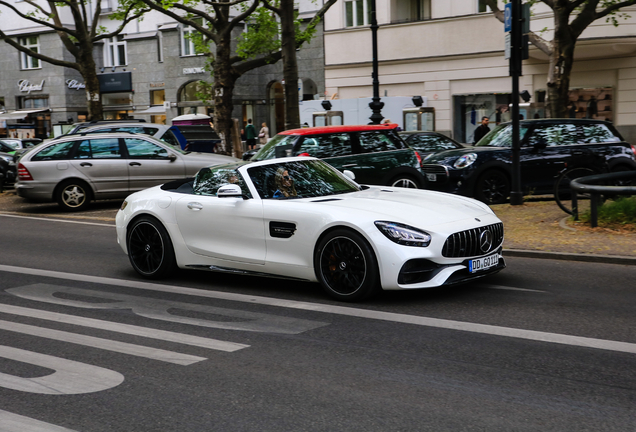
pixel 431 177
pixel 483 263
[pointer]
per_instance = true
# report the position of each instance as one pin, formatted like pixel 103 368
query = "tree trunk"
pixel 224 80
pixel 89 73
pixel 290 64
pixel 560 67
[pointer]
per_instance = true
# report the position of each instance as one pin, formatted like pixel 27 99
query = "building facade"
pixel 451 52
pixel 151 72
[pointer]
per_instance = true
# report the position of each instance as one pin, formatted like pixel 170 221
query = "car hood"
pixel 450 156
pixel 411 206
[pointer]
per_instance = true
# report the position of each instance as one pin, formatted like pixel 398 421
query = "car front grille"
pixel 474 242
pixel 435 169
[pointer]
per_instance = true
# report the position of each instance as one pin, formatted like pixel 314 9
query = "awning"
pixel 20 114
pixel 159 109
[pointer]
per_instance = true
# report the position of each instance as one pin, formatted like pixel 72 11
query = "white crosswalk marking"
pixel 10 422
pixel 124 328
pixel 105 344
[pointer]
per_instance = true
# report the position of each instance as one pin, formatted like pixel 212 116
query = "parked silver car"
pixel 167 133
pixel 75 169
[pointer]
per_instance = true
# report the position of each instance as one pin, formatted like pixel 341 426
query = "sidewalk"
pixel 537 229
pixel 541 229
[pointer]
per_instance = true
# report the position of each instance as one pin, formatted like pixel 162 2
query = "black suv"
pixel 484 171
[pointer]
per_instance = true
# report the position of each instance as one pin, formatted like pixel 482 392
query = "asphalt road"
pixel 89 346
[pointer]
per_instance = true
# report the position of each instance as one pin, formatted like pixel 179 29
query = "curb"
pixel 601 259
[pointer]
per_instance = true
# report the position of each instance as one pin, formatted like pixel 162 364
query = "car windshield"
pixel 279 146
pixel 300 179
pixel 11 143
pixel 501 136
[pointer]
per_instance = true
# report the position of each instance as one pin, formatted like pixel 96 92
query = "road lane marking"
pixel 104 344
pixel 165 310
pixel 124 328
pixel 343 310
pixel 70 377
pixel 10 422
pixel 56 220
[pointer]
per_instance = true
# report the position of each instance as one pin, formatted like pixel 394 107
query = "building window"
pixel 357 13
pixel 115 52
pixel 33 102
pixel 411 10
pixel 157 97
pixel 482 6
pixel 188 36
pixel 32 43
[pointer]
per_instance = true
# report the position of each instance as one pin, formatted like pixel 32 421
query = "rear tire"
pixel 405 181
pixel 346 266
pixel 150 249
pixel 73 195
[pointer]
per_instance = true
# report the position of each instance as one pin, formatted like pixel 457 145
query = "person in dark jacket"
pixel 481 130
pixel 250 135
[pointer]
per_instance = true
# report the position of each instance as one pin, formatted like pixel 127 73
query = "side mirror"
pixel 349 174
pixel 229 190
pixel 172 157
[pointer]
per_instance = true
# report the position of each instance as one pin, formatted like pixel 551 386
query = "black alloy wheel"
pixel 150 249
pixel 493 187
pixel 346 266
pixel 73 195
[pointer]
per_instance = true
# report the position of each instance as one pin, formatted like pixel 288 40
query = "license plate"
pixel 431 177
pixel 484 263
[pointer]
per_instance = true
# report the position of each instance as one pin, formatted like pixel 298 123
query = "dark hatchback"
pixel 484 171
pixel 429 142
pixel 374 153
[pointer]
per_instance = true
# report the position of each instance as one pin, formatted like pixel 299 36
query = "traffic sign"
pixel 508 17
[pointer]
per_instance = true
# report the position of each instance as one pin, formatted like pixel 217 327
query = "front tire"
pixel 346 266
pixel 73 195
pixel 493 187
pixel 150 249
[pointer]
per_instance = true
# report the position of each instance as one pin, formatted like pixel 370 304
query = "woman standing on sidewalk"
pixel 263 135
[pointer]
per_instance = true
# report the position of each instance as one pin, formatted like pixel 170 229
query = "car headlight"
pixel 465 161
pixel 403 234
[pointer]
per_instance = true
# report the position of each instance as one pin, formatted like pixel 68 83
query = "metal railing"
pixel 586 185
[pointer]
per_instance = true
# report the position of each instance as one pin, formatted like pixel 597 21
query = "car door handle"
pixel 195 206
pixel 349 165
pixel 86 164
pixel 134 164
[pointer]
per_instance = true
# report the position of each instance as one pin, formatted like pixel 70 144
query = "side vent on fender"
pixel 281 229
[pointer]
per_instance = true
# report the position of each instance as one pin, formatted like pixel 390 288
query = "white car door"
pixel 226 228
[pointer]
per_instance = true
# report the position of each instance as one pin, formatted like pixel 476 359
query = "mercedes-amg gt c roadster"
pixel 300 218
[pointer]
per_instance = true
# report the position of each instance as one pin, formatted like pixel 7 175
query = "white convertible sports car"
pixel 300 218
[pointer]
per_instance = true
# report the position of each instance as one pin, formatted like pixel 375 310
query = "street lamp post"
pixel 375 105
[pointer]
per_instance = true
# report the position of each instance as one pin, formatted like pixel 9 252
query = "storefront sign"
pixel 193 70
pixel 115 82
pixel 26 87
pixel 159 84
pixel 74 84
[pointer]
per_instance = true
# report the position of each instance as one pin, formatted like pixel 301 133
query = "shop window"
pixel 357 13
pixel 115 52
pixel 33 103
pixel 32 43
pixel 157 97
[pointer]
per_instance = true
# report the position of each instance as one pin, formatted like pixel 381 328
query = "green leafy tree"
pixel 571 18
pixel 214 22
pixel 79 38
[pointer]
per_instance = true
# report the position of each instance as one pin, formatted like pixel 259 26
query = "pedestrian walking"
pixel 481 130
pixel 263 135
pixel 250 135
